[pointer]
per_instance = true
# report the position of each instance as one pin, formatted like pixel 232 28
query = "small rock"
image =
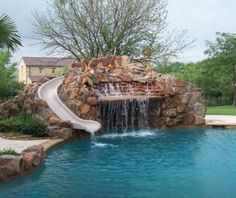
pixel 158 87
pixel 199 109
pixel 166 119
pixel 85 108
pixel 39 102
pixel 66 124
pixel 125 78
pixel 92 101
pixel 54 120
pixel 199 121
pixel 64 133
pixel 179 83
pixel 188 119
pixel 169 112
pixel 181 108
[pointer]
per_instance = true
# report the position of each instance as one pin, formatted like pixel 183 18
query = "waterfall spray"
pixel 127 114
pixel 122 110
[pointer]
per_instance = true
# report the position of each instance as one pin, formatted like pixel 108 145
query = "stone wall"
pixel 108 78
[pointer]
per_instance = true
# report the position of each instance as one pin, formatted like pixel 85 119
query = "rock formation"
pixel 114 79
pixel 12 166
pixel 117 79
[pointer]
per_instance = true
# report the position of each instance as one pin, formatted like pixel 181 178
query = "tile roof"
pixel 47 61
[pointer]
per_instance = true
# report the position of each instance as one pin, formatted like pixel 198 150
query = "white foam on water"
pixel 135 134
pixel 101 145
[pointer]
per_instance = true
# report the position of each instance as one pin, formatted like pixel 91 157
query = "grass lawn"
pixel 221 110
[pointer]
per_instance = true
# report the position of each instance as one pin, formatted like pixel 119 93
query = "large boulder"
pixel 32 157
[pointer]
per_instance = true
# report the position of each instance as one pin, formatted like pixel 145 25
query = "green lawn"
pixel 221 110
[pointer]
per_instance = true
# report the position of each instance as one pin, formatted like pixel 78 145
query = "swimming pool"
pixel 191 163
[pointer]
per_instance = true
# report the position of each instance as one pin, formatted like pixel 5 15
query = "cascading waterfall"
pixel 131 113
pixel 93 136
pixel 128 114
pixel 143 106
pixel 110 90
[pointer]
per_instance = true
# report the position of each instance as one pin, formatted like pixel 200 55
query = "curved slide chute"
pixel 49 92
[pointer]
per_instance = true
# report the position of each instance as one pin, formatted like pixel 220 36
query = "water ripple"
pixel 147 164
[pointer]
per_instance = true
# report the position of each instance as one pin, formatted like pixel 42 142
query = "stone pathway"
pixel 220 120
pixel 19 145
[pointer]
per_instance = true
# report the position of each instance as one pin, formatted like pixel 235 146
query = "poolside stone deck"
pixel 221 120
pixel 19 145
pixel 31 154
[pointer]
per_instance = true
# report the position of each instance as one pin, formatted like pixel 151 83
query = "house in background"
pixel 33 69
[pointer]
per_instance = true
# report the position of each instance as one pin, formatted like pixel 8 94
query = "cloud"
pixel 202 18
pixel 20 12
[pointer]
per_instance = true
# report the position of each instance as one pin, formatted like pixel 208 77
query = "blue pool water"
pixel 194 163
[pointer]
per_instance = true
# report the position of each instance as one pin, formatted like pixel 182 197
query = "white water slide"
pixel 49 92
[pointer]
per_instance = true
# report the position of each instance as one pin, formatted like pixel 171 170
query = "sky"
pixel 202 19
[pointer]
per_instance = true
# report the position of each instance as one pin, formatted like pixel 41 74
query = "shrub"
pixel 8 152
pixel 31 125
pixel 6 125
pixel 25 124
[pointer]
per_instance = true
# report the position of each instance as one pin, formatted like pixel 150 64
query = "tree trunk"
pixel 234 101
pixel 234 84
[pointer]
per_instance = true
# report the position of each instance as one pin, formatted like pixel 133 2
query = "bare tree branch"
pixel 92 28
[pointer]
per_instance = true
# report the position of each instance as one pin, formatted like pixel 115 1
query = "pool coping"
pixel 39 151
pixel 36 152
pixel 222 121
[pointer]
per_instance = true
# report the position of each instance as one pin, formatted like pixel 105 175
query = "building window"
pixel 53 70
pixel 40 70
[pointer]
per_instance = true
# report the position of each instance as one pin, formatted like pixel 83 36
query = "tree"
pixel 92 28
pixel 9 38
pixel 204 74
pixel 191 72
pixel 223 55
pixel 8 83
